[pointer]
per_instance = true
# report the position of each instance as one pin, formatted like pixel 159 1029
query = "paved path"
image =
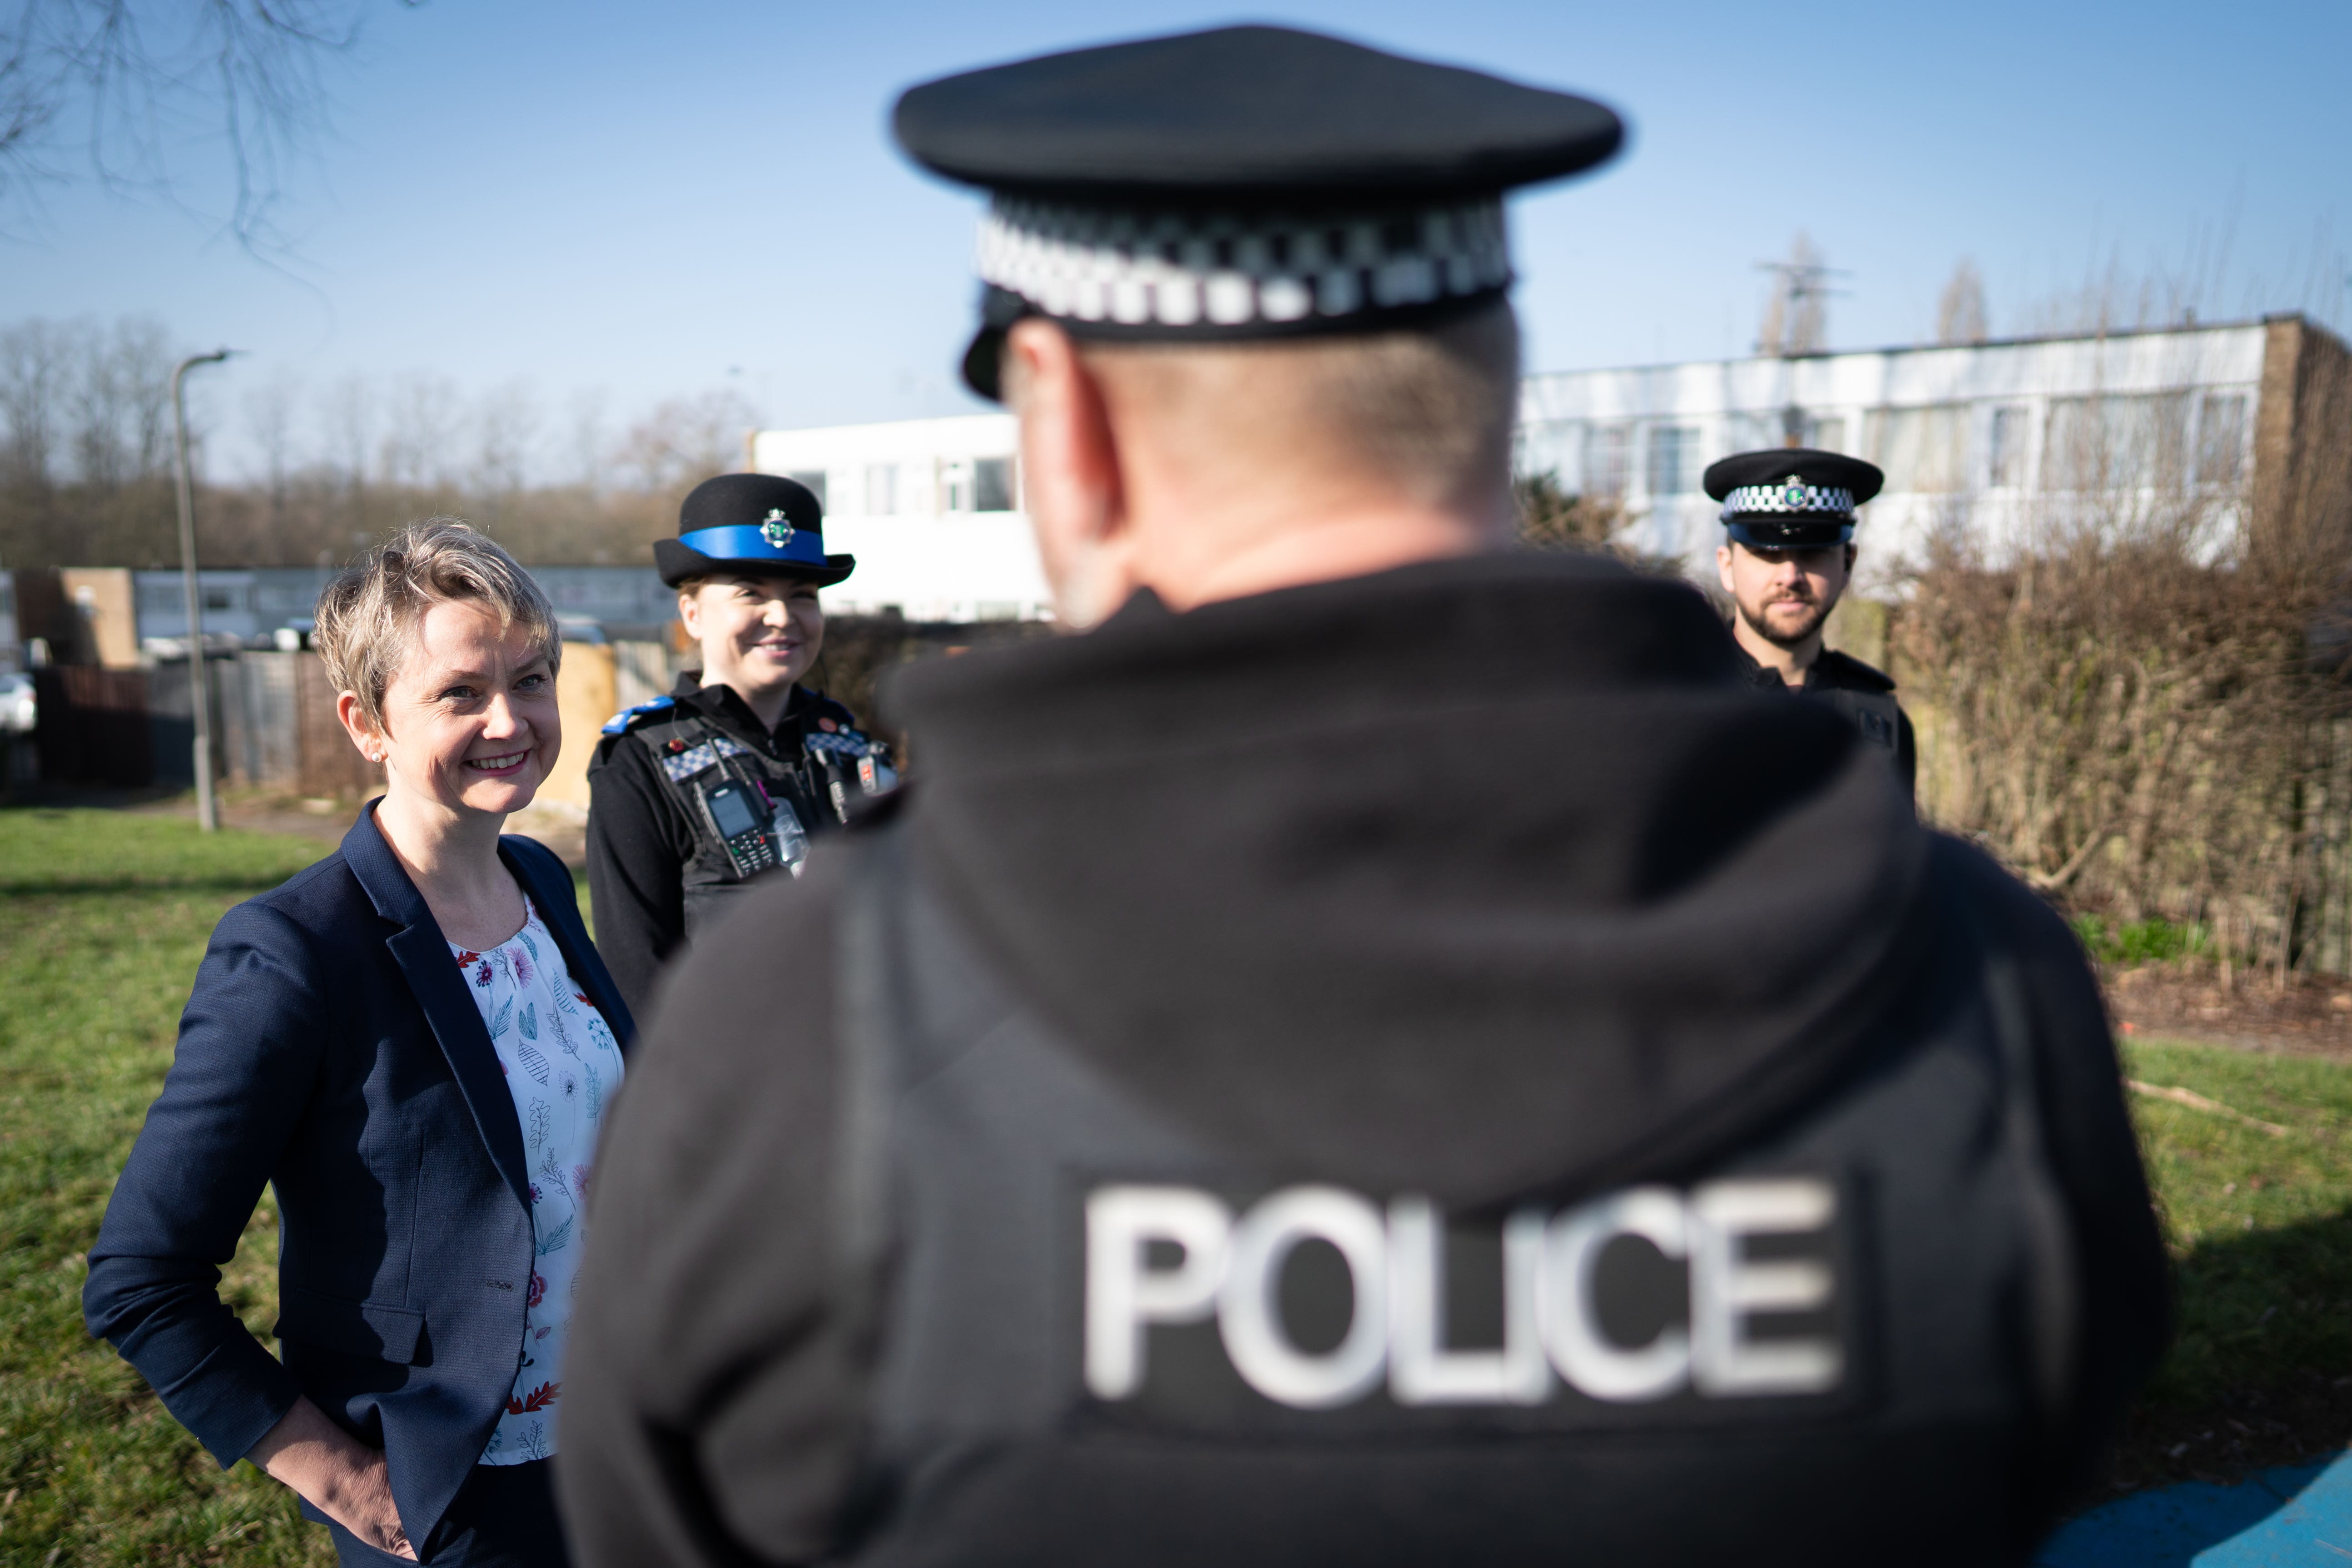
pixel 2285 1518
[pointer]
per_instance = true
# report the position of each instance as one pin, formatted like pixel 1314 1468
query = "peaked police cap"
pixel 754 524
pixel 1242 183
pixel 1790 497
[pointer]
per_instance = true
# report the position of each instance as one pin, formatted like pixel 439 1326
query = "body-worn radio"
pixel 758 835
pixel 740 825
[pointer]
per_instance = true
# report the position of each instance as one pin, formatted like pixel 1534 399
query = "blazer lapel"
pixel 536 867
pixel 423 955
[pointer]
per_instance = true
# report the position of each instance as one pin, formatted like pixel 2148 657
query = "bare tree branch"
pixel 124 88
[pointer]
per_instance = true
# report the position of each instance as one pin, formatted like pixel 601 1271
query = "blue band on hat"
pixel 743 541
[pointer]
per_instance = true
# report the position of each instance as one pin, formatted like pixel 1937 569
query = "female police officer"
pixel 694 795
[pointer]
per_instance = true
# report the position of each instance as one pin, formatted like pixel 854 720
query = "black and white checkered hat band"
pixel 1790 500
pixel 1194 269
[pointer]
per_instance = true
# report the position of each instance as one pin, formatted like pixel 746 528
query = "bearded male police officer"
pixel 694 795
pixel 1787 556
pixel 1380 1051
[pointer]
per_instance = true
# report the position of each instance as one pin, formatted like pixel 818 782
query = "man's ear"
pixel 1071 474
pixel 1723 565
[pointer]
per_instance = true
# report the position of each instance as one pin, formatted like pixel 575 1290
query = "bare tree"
pixel 1961 313
pixel 506 428
pixel 120 85
pixel 350 430
pixel 269 420
pixel 588 446
pixel 117 403
pixel 421 417
pixel 32 367
pixel 686 440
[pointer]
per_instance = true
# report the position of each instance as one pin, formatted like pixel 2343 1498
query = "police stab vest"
pixel 753 813
pixel 1101 1339
pixel 1875 713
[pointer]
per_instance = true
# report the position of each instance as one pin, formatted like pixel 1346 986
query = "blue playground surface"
pixel 2297 1514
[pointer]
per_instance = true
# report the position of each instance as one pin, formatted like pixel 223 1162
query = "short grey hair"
pixel 368 617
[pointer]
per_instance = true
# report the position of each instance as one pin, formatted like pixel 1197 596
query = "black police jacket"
pixel 1864 694
pixel 644 845
pixel 1283 1091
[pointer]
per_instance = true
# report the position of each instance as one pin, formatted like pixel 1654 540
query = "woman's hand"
pixel 335 1473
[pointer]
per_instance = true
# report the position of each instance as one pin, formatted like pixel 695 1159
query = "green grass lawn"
pixel 103 916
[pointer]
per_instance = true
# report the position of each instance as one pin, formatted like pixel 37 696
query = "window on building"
pixel 956 484
pixel 992 484
pixel 2005 464
pixel 1751 432
pixel 2117 443
pixel 1924 451
pixel 815 479
pixel 1825 434
pixel 219 599
pixel 1672 467
pixel 2221 438
pixel 1554 447
pixel 1608 463
pixel 881 489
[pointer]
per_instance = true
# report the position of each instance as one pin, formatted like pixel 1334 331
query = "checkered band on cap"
pixel 1228 270
pixel 1789 497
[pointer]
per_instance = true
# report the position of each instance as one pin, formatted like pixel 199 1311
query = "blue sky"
pixel 656 200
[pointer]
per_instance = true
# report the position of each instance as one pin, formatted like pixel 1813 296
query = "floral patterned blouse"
pixel 562 1064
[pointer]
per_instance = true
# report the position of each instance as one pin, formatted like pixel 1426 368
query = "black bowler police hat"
pixel 1791 498
pixel 1244 182
pixel 761 525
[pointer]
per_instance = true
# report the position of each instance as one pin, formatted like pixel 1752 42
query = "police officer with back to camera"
pixel 1787 557
pixel 694 795
pixel 1379 1050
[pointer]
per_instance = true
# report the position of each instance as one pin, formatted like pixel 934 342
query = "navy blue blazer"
pixel 330 1049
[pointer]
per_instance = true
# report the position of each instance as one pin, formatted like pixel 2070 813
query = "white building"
pixel 929 507
pixel 1987 434
pixel 1994 437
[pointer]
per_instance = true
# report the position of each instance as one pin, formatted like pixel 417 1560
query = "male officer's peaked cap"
pixel 1242 183
pixel 1240 112
pixel 1790 497
pixel 760 526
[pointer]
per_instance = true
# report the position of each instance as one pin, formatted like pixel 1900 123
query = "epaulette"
pixel 619 722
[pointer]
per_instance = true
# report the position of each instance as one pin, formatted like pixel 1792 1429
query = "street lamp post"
pixel 199 692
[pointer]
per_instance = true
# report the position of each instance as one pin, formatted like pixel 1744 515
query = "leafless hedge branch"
pixel 2144 707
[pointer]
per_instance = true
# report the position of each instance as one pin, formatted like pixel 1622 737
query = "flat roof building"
pixel 932 509
pixel 1996 436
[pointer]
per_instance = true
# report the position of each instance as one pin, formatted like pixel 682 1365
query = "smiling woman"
pixel 414 1041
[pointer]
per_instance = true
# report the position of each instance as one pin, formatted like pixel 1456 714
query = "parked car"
pixel 19 709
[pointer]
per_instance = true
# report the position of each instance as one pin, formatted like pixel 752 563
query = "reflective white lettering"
pixel 1123 1294
pixel 1249 1307
pixel 1586 1357
pixel 1396 1266
pixel 1727 1288
pixel 1421 1371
